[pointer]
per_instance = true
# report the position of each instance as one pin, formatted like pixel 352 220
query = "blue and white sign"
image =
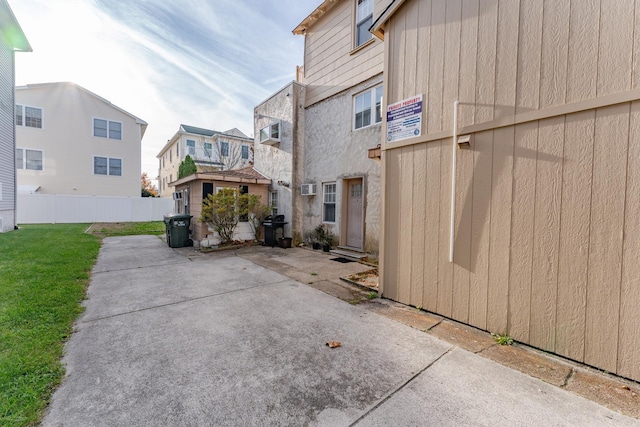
pixel 404 119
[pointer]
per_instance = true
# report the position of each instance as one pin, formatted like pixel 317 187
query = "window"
pixel 28 116
pixel 270 133
pixel 207 149
pixel 191 147
pixel 107 166
pixel 329 202
pixel 245 152
pixel 170 154
pixel 107 129
pixel 29 159
pixel 224 149
pixel 19 115
pixel 364 105
pixel 364 19
pixel 273 202
pixel 177 151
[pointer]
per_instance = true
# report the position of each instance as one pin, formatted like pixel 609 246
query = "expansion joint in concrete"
pixel 400 388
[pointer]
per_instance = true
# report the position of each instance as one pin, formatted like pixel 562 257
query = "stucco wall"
pixel 333 152
pixel 278 161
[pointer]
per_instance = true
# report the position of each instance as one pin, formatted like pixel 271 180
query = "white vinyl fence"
pixel 51 209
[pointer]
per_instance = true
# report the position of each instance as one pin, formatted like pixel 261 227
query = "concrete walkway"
pixel 168 339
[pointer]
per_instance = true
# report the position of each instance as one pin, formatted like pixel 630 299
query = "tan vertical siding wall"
pixel 547 231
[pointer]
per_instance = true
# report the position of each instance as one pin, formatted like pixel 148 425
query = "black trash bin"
pixel 177 229
pixel 271 226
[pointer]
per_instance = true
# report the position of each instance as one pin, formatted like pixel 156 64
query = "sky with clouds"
pixel 206 63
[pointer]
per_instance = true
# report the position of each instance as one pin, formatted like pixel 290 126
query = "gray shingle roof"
pixel 199 131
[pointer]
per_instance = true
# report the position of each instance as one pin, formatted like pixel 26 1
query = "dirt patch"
pixel 368 279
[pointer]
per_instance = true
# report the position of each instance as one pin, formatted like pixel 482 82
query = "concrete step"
pixel 348 254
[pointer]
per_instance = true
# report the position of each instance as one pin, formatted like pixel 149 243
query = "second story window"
pixel 367 108
pixel 364 19
pixel 245 152
pixel 207 149
pixel 30 117
pixel 107 166
pixel 224 149
pixel 107 129
pixel 191 147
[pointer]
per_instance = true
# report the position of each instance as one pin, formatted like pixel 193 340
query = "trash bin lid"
pixel 169 216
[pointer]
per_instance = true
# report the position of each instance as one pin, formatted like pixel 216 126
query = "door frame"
pixel 344 210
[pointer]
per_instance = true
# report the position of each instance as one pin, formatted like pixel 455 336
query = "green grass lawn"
pixel 44 272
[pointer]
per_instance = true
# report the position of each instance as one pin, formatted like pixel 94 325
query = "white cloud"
pixel 195 62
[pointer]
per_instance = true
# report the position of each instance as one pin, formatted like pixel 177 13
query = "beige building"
pixel 511 169
pixel 211 151
pixel 12 40
pixel 343 66
pixel 72 141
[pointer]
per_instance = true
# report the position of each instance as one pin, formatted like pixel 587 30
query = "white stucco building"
pixel 343 74
pixel 279 153
pixel 71 141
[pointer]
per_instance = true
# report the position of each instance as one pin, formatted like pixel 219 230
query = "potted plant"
pixel 318 236
pixel 327 242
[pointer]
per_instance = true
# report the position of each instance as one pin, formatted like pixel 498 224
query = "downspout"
pixel 453 179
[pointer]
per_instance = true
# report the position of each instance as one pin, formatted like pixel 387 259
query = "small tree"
pixel 221 212
pixel 256 212
pixel 187 167
pixel 147 189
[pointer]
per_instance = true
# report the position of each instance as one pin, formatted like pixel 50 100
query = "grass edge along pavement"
pixel 44 274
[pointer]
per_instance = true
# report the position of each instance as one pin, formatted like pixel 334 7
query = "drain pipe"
pixel 454 154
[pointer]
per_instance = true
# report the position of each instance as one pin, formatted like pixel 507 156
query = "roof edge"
pixel 324 7
pixel 377 28
pixel 13 31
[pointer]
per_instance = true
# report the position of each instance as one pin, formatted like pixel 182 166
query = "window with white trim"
pixel 224 149
pixel 271 132
pixel 207 149
pixel 245 152
pixel 103 128
pixel 30 117
pixel 191 147
pixel 364 19
pixel 29 159
pixel 367 108
pixel 329 202
pixel 107 166
pixel 273 202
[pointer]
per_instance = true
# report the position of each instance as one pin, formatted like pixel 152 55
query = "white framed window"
pixel 245 152
pixel 107 166
pixel 270 133
pixel 273 202
pixel 367 108
pixel 224 149
pixel 103 128
pixel 191 147
pixel 30 117
pixel 329 202
pixel 364 19
pixel 29 159
pixel 207 149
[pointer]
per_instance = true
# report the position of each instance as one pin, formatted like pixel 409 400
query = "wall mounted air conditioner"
pixel 308 189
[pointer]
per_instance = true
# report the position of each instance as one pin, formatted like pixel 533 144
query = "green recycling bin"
pixel 177 228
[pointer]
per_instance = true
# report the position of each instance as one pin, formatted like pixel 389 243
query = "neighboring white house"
pixel 12 39
pixel 279 153
pixel 72 141
pixel 343 67
pixel 211 151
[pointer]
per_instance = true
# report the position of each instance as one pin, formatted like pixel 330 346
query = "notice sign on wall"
pixel 404 119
